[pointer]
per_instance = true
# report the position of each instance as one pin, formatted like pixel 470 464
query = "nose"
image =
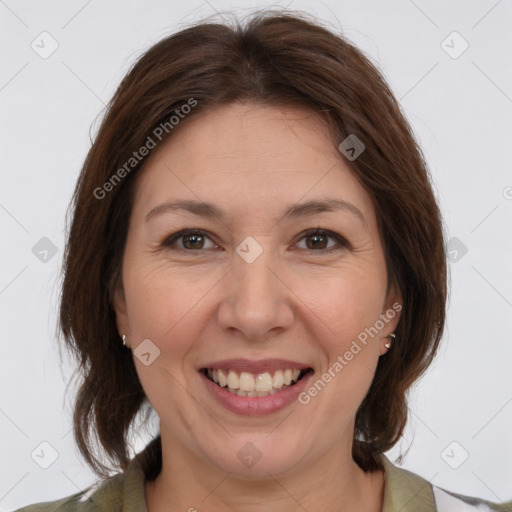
pixel 256 301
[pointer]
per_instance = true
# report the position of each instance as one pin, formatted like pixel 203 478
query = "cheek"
pixel 162 300
pixel 346 305
pixel 345 310
pixel 165 307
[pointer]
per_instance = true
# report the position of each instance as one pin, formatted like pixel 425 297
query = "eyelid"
pixel 342 243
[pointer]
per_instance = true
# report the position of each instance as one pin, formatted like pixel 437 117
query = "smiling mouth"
pixel 255 385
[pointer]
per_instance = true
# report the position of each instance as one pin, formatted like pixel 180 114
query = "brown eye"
pixel 191 240
pixel 318 240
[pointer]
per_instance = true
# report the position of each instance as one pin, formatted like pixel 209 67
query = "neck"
pixel 331 483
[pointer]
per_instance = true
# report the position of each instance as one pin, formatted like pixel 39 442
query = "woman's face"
pixel 253 285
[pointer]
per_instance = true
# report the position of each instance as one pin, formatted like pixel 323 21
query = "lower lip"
pixel 257 405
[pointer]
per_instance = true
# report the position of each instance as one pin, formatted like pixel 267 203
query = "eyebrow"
pixel 208 210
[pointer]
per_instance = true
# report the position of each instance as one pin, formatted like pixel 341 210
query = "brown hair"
pixel 277 58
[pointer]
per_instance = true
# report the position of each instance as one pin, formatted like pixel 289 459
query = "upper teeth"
pixel 248 382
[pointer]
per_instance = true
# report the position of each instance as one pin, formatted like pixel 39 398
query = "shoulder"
pixel 123 492
pixel 103 495
pixel 406 491
pixel 446 500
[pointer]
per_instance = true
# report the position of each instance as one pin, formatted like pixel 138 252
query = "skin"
pixel 295 301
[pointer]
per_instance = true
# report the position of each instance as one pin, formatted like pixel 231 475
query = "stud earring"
pixel 392 336
pixel 124 339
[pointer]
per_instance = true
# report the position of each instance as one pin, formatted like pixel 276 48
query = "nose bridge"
pixel 253 277
pixel 256 301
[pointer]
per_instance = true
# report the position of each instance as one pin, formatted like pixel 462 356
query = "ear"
pixel 120 309
pixel 390 314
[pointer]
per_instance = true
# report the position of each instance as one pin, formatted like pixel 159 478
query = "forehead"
pixel 249 158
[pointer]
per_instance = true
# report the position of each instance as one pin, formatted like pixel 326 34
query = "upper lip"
pixel 260 366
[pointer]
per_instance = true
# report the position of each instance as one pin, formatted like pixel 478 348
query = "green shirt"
pixel 404 491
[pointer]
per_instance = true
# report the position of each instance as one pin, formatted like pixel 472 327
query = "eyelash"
pixel 170 241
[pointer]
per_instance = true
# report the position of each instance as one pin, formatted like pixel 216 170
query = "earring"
pixel 124 340
pixel 392 336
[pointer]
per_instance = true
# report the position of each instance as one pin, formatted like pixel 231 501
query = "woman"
pixel 256 253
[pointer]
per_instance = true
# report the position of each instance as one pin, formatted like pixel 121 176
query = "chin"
pixel 254 457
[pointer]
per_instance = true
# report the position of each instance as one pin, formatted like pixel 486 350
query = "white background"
pixel 460 109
